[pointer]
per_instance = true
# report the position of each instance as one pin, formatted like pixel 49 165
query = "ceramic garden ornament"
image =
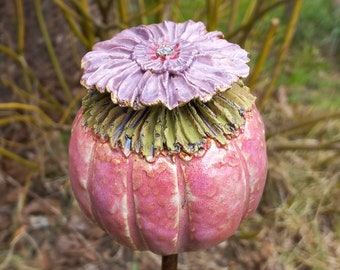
pixel 167 152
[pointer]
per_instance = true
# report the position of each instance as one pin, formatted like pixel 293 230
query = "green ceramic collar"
pixel 156 129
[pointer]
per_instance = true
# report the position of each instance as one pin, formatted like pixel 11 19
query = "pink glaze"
pixel 170 205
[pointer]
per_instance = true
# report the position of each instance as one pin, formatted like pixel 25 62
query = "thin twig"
pixel 30 164
pixel 232 16
pixel 315 146
pixel 26 97
pixel 123 12
pixel 303 123
pixel 249 24
pixel 50 49
pixel 264 53
pixel 212 14
pixel 27 107
pixel 21 26
pixel 141 5
pixel 31 77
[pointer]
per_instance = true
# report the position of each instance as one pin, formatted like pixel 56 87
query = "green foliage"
pixel 320 23
pixel 312 79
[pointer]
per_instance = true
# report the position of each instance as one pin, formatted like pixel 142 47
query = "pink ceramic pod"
pixel 171 172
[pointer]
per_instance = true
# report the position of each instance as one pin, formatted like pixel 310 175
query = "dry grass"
pixel 297 225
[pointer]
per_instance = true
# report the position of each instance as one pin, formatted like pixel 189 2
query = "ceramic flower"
pixel 169 63
pixel 167 152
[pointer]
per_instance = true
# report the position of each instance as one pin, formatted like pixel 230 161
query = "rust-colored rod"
pixel 169 262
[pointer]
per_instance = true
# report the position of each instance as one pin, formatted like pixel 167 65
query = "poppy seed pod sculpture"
pixel 168 152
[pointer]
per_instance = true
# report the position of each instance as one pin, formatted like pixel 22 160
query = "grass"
pixel 312 76
pixel 297 223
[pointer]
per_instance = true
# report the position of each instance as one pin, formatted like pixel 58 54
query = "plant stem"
pixel 212 14
pixel 23 161
pixel 307 121
pixel 169 262
pixel 282 54
pixel 123 13
pixel 249 24
pixel 233 13
pixel 264 53
pixel 21 26
pixel 50 49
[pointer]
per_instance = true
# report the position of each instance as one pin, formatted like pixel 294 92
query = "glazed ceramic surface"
pixel 169 205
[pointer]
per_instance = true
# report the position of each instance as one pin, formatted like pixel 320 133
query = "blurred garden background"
pixel 294 47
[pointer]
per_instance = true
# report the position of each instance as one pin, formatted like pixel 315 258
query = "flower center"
pixel 160 57
pixel 164 50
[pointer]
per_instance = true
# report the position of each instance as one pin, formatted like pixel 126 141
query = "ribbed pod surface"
pixel 169 205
